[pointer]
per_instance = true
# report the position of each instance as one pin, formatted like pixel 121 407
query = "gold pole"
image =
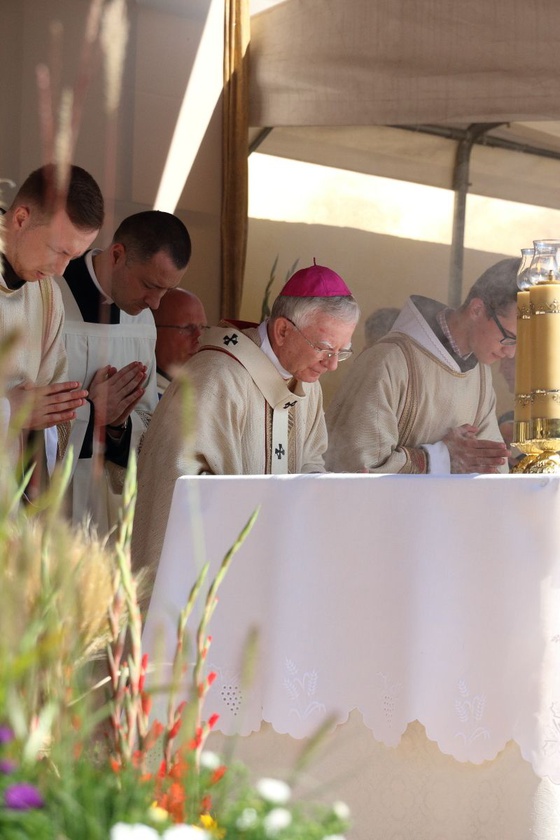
pixel 522 431
pixel 544 349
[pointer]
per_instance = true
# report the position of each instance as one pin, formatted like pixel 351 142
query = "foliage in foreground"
pixel 83 764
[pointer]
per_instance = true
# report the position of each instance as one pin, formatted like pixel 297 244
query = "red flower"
pixel 195 743
pixel 218 774
pixel 175 728
pixel 137 758
pixel 143 668
pixel 179 709
pixel 174 802
pixel 153 734
pixel 178 770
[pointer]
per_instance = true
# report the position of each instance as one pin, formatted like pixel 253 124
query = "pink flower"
pixel 6 734
pixel 23 797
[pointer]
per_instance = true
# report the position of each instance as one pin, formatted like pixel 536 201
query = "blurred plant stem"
pixel 265 307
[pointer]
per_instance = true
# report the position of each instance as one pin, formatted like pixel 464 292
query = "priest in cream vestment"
pixel 42 230
pixel 258 401
pixel 110 339
pixel 421 399
pixel 93 339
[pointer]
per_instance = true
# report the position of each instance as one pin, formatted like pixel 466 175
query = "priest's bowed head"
pixel 311 323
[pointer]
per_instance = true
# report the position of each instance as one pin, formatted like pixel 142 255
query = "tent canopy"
pixel 336 78
pixel 405 62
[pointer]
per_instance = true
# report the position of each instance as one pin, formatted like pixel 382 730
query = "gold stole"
pixel 277 395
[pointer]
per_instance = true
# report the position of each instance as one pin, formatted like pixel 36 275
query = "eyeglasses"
pixel 189 329
pixel 340 355
pixel 508 339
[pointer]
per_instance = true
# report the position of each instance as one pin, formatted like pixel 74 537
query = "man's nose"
pixel 153 298
pixel 331 362
pixel 509 350
pixel 60 264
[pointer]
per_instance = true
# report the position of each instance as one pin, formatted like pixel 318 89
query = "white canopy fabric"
pixel 336 78
pixel 401 62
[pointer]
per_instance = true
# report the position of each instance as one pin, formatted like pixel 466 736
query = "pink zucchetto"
pixel 315 281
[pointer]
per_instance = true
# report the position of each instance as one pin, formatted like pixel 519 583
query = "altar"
pixel 420 614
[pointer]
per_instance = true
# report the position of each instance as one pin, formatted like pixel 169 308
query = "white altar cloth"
pixel 410 598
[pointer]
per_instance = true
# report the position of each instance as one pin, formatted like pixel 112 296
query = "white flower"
pixel 209 760
pixel 276 820
pixel 124 831
pixel 185 832
pixel 341 810
pixel 247 819
pixel 274 791
pixel 157 814
pixel 334 837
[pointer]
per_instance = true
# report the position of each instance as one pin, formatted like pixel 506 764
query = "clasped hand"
pixel 42 406
pixel 469 454
pixel 115 393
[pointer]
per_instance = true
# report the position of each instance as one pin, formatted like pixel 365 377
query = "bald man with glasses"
pixel 180 322
pixel 421 399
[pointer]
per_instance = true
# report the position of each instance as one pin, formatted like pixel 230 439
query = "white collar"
pixel 89 263
pixel 266 347
pixel 411 321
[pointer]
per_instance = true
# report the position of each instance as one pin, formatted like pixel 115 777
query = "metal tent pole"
pixel 461 187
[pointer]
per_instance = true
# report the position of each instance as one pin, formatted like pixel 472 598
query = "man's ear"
pixel 476 308
pixel 21 216
pixel 279 330
pixel 118 253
